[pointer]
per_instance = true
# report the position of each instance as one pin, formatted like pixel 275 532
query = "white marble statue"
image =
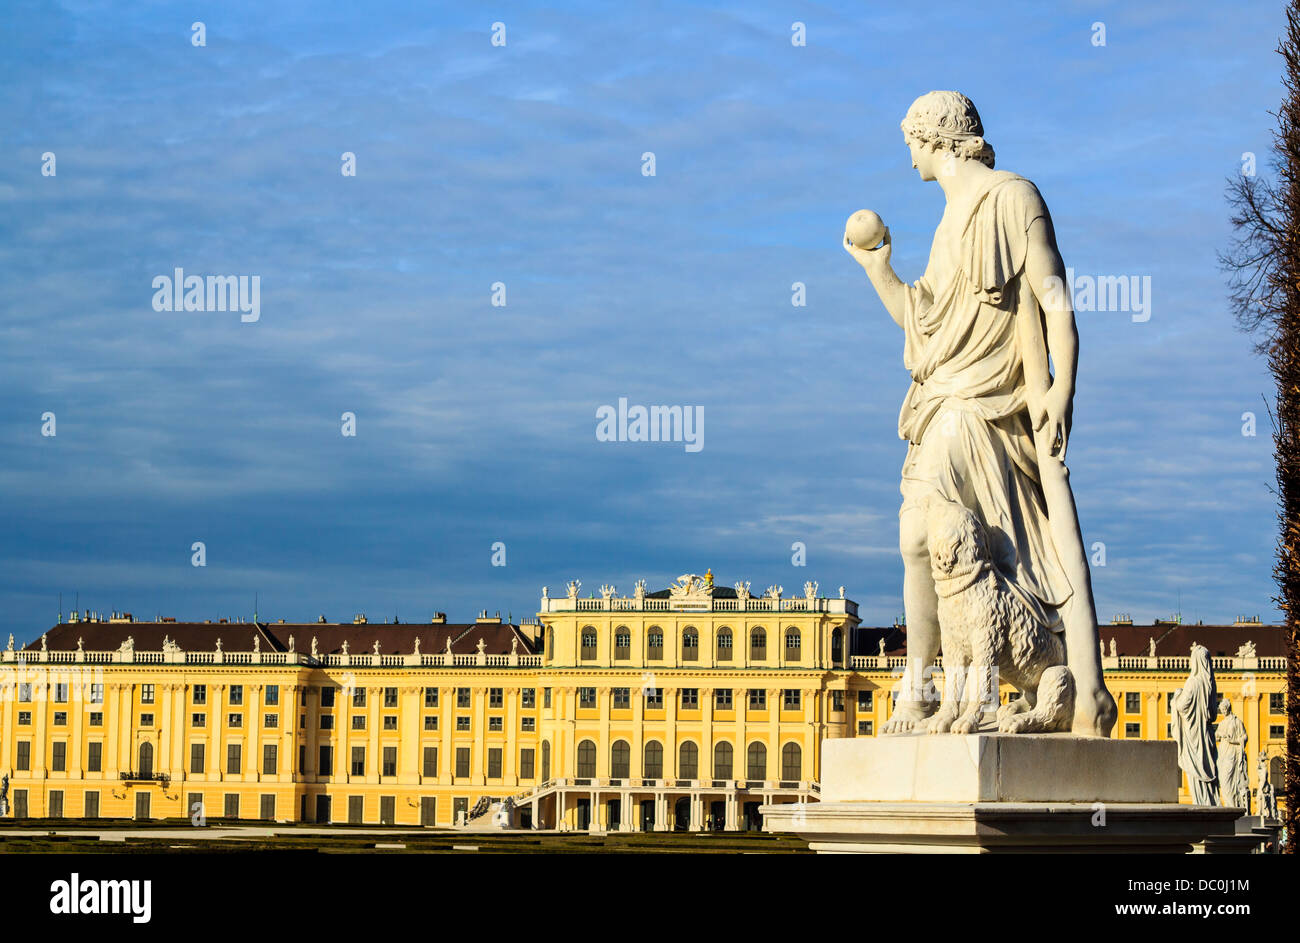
pixel 1267 801
pixel 990 633
pixel 1114 651
pixel 448 644
pixel 417 645
pixel 987 423
pixel 880 648
pixel 1193 714
pixel 315 647
pixel 1230 737
pixel 1151 646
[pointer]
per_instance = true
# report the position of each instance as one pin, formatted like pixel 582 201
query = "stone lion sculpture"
pixel 988 632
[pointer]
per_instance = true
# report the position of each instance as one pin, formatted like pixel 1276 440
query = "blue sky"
pixel 522 164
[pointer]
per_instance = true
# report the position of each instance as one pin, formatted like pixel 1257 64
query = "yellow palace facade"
pixel 686 708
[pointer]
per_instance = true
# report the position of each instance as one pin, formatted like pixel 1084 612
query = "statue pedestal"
pixel 989 792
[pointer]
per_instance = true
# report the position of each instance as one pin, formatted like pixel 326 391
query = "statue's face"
pixel 924 160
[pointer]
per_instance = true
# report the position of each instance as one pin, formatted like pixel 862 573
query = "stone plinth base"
pixel 992 792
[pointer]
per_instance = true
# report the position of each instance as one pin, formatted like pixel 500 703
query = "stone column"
pixel 374 723
pixel 411 735
pixel 253 763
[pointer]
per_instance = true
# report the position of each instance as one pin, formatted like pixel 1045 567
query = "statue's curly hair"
pixel 948 121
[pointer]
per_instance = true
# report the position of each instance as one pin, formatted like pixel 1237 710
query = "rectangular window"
pixel 690 699
pixel 528 723
pixel 56 803
pixel 25 693
pixel 622 698
pixel 196 758
pixel 430 697
pixel 236 695
pixel 358 761
pixel 865 728
pixel 302 759
pixel 757 700
pixel 146 720
pixel 198 720
pixel 59 757
pixel 61 719
pixel 234 758
pixel 24 759
pixel 390 721
pixel 390 697
pixel 92 805
pixel 20 803
pixel 790 699
pixel 757 645
pixel 390 762
pixel 722 699
pixel 358 721
pixel 271 695
pixel 494 763
pixel 1276 702
pixel 326 767
pixel 462 723
pixel 232 805
pixel 496 723
pixel 654 698
pixel 96 719
pixel 97 697
pixel 1132 702
pixel 1133 731
pixel 1277 731
pixel 326 721
pixel 431 722
pixel 462 697
pixel 526 763
pixel 146 694
pixel 866 701
pixel 837 701
pixel 327 695
pixel 387 810
pixel 359 697
pixel 270 759
pixel 61 693
pixel 655 644
pixel 462 762
pixel 94 757
pixel 588 643
pixel 24 718
pixel 270 720
pixel 528 698
pixel 235 720
pixel 356 809
pixel 267 811
pixel 430 762
pixel 623 645
pixel 200 694
pixel 546 697
pixel 496 697
pixel 586 697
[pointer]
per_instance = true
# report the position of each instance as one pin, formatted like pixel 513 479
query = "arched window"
pixel 654 643
pixel 690 644
pixel 546 760
pixel 837 647
pixel 688 761
pixel 1276 774
pixel 756 761
pixel 791 762
pixel 793 644
pixel 724 644
pixel 758 644
pixel 586 760
pixel 589 642
pixel 622 644
pixel 620 760
pixel 654 760
pixel 722 754
pixel 146 760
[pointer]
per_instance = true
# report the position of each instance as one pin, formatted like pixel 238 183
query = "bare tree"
pixel 1263 266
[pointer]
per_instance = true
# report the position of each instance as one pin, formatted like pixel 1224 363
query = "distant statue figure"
pixel 314 650
pixel 1246 650
pixel 514 645
pixel 1264 794
pixel 417 645
pixel 448 644
pixel 880 647
pixel 1114 652
pixel 376 648
pixel 1151 647
pixel 11 642
pixel 481 645
pixel 81 644
pixel 1192 709
pixel 345 647
pixel 44 647
pixel 1234 781
pixel 257 645
pixel 218 646
pixel 291 644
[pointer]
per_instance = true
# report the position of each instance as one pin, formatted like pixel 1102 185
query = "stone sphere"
pixel 865 229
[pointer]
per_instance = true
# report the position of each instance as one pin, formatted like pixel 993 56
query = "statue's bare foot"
pixel 907 718
pixel 941 722
pixel 967 723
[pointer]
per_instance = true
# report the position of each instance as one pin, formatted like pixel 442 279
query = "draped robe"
pixel 965 417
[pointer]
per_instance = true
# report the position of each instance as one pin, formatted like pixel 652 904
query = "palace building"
pixel 686 708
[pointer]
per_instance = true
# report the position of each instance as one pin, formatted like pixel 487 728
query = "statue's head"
pixel 941 126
